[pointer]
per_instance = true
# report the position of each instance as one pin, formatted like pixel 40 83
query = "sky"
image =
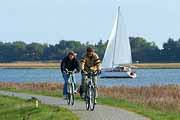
pixel 49 21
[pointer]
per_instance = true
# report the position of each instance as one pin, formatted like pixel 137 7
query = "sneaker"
pixel 65 97
pixel 83 95
pixel 75 91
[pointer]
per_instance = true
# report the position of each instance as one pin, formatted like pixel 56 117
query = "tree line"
pixel 142 50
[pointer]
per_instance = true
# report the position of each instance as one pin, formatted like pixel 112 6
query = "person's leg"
pixel 66 77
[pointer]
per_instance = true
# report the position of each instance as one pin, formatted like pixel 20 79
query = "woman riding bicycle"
pixel 69 63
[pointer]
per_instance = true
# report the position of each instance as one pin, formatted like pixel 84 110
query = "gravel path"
pixel 101 112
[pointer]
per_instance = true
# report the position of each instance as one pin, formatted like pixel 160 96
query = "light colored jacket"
pixel 93 63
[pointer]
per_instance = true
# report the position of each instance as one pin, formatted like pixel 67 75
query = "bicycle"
pixel 70 88
pixel 90 96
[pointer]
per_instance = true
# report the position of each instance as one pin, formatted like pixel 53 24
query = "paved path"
pixel 101 112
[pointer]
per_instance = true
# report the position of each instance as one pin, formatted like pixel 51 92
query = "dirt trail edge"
pixel 101 112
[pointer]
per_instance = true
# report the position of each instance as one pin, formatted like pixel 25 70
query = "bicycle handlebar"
pixel 69 72
pixel 91 73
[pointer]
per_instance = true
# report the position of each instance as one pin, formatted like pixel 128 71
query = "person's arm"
pixel 78 68
pixel 97 62
pixel 63 65
pixel 82 64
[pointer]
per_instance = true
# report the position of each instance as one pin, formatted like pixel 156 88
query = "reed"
pixel 56 64
pixel 158 65
pixel 164 98
pixel 30 65
pixel 32 86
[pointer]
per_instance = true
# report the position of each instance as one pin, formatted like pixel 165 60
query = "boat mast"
pixel 116 37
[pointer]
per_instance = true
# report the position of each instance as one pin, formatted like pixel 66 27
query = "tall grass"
pixel 32 86
pixel 30 65
pixel 55 64
pixel 164 98
pixel 158 65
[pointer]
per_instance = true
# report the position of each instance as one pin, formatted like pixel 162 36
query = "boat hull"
pixel 112 74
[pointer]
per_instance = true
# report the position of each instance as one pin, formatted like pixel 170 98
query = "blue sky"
pixel 48 21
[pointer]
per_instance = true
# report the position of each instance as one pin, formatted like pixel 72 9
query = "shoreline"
pixel 56 65
pixel 30 65
pixel 157 65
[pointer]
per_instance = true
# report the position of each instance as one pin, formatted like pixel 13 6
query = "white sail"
pixel 118 50
pixel 108 56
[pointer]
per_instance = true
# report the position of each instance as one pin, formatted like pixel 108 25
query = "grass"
pixel 147 111
pixel 155 102
pixel 52 89
pixel 30 65
pixel 55 64
pixel 163 98
pixel 17 109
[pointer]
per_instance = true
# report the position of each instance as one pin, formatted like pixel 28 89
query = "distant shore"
pixel 55 65
pixel 33 65
pixel 158 65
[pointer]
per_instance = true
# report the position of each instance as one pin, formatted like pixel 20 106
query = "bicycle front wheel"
pixel 70 95
pixel 92 95
pixel 87 99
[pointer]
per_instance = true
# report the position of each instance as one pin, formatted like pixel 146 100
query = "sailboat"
pixel 117 56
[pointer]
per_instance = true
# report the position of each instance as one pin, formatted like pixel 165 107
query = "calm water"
pixel 145 77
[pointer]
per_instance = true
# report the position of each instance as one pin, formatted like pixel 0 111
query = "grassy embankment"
pixel 17 109
pixel 56 65
pixel 158 65
pixel 155 102
pixel 30 65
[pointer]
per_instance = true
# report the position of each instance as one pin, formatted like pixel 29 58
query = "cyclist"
pixel 89 62
pixel 69 63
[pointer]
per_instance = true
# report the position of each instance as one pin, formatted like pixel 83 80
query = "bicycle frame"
pixel 71 81
pixel 70 88
pixel 90 91
pixel 90 77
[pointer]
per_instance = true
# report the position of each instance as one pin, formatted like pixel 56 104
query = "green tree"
pixel 144 51
pixel 34 51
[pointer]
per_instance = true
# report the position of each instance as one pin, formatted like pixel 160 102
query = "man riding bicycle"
pixel 69 63
pixel 89 62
